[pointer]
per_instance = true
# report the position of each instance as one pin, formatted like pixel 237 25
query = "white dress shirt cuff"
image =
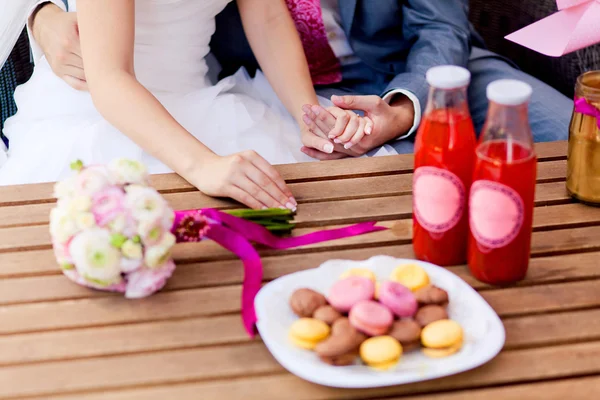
pixel 416 104
pixel 36 51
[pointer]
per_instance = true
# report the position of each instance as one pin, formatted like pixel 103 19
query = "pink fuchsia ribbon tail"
pixel 583 107
pixel 572 28
pixel 260 234
pixel 253 271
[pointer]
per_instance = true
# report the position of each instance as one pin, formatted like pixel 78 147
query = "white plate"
pixel 484 332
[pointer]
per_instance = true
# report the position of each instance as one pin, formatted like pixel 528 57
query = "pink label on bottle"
pixel 438 199
pixel 496 213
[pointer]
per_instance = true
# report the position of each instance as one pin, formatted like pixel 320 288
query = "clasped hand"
pixel 351 134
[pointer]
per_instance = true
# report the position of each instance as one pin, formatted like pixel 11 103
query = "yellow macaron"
pixel 377 286
pixel 308 332
pixel 442 338
pixel 410 275
pixel 362 272
pixel 381 352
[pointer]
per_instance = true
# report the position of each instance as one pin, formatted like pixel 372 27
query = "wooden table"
pixel 60 341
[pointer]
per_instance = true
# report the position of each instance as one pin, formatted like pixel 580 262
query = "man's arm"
pixel 440 32
pixel 43 6
pixel 54 33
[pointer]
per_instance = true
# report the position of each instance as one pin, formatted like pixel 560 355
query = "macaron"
pixel 365 273
pixel 431 313
pixel 308 332
pixel 347 292
pixel 398 298
pixel 431 294
pixel 341 347
pixel 304 302
pixel 371 318
pixel 381 352
pixel 407 332
pixel 442 338
pixel 327 314
pixel 412 276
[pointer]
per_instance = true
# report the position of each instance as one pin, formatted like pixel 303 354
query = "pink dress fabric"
pixel 324 66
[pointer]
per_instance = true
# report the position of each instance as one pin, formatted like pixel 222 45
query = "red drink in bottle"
pixel 502 194
pixel 444 159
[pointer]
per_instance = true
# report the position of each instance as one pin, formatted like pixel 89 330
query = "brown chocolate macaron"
pixel 341 347
pixel 327 314
pixel 304 302
pixel 407 332
pixel 429 314
pixel 431 294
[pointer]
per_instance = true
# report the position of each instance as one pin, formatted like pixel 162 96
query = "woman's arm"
pixel 277 47
pixel 107 31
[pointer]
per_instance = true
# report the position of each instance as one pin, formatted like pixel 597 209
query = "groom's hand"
pixel 57 34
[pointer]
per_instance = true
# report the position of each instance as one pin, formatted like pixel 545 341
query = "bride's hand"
pixel 247 178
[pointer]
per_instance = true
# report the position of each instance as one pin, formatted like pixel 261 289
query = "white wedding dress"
pixel 56 124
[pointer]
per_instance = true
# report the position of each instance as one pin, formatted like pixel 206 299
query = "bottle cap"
pixel 509 92
pixel 448 77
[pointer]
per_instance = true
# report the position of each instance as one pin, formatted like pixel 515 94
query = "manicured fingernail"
pixel 335 98
pixel 348 145
pixel 290 206
pixel 306 119
pixel 306 108
pixel 264 208
pixel 316 110
pixel 368 130
pixel 338 141
pixel 293 201
pixel 328 148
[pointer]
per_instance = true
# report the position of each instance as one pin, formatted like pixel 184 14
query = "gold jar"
pixel 583 165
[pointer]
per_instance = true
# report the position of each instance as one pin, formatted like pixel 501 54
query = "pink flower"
pixel 145 281
pixel 108 205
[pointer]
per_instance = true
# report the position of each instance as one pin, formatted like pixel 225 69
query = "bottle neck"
pixel 508 123
pixel 444 99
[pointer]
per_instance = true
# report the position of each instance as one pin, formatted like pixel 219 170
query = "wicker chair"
pixel 494 19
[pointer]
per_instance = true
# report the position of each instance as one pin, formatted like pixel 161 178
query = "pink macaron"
pixel 347 292
pixel 371 317
pixel 398 298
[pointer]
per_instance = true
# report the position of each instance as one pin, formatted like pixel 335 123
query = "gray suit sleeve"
pixel 439 31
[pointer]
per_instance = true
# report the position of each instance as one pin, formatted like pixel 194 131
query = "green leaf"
pixel 67 266
pixel 254 214
pixel 117 240
pixel 77 165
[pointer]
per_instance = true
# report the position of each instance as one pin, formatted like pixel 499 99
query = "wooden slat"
pixel 278 263
pixel 207 364
pixel 576 388
pixel 522 332
pixel 104 309
pixel 305 192
pixel 292 172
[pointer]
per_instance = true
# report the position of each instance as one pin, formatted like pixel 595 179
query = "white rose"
pixel 85 220
pixel 132 250
pixel 145 203
pixel 80 203
pixel 118 224
pixel 92 180
pixel 124 171
pixel 95 259
pixel 65 188
pixel 62 224
pixel 157 255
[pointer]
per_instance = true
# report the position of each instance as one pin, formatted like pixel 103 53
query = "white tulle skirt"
pixel 56 125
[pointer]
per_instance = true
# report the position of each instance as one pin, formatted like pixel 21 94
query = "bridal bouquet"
pixel 111 231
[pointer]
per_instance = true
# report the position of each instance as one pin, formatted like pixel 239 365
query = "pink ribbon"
pixel 235 234
pixel 583 107
pixel 574 27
